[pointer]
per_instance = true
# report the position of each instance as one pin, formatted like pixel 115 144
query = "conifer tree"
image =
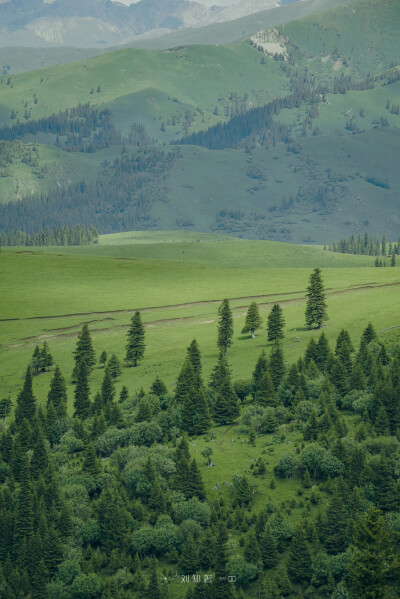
pixel 124 394
pixel 386 488
pixel 259 371
pixel 40 460
pixel 266 393
pixel 82 400
pixel 103 358
pixel 107 387
pixel 222 588
pixel 299 563
pixel 153 590
pixel 112 518
pixel 26 402
pixel 114 366
pixel 275 323
pixel 225 326
pixel 316 313
pixel 322 351
pixel 369 333
pixel 335 523
pixel 144 412
pixel 195 486
pixel 189 560
pixel 253 320
pixel 276 364
pixel 226 408
pixel 219 373
pixel 84 352
pixel 57 395
pixel 45 359
pixel 158 387
pixel 24 511
pixel 91 462
pixel 252 551
pixel 195 413
pixel 269 548
pixel 373 559
pixel 135 346
pixel 194 355
pixel 36 360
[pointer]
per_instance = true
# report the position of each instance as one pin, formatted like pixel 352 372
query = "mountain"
pixel 291 135
pixel 96 23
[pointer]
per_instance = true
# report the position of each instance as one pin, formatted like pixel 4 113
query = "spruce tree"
pixel 107 387
pixel 195 486
pixel 226 408
pixel 315 314
pixel 369 333
pixel 335 524
pixel 269 548
pixel 225 326
pixel 124 394
pixel 189 560
pixel 194 355
pixel 82 400
pixel 114 366
pixel 276 364
pixel 84 352
pixel 275 323
pixel 153 590
pixel 252 551
pixel 26 402
pixel 219 373
pixel 158 387
pixel 222 588
pixel 36 360
pixel 373 559
pixel 103 358
pixel 386 488
pixel 253 320
pixel 135 346
pixel 91 462
pixel 266 393
pixel 299 563
pixel 57 395
pixel 258 373
pixel 45 359
pixel 24 512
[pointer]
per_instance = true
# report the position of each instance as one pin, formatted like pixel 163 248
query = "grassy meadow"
pixel 177 280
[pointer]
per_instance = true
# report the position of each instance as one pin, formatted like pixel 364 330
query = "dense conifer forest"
pixel 106 500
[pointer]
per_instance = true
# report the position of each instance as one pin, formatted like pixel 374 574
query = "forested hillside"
pixel 275 134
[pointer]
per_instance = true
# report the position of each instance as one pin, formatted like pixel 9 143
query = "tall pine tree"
pixel 135 345
pixel 316 313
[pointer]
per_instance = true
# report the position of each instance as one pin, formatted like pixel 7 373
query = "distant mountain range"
pixel 94 23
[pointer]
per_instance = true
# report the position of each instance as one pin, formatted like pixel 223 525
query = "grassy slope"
pixel 78 288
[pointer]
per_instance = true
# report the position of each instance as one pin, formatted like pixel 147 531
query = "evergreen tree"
pixel 269 549
pixel 193 353
pixel 124 394
pixel 253 320
pixel 221 587
pixel 40 460
pixel 335 524
pixel 259 371
pixel 144 412
pixel 135 346
pixel 316 305
pixel 266 393
pixel 26 402
pixel 91 463
pixel 82 400
pixel 36 360
pixel 252 551
pixel 57 395
pixel 299 563
pixel 276 364
pixel 219 373
pixel 225 326
pixel 369 333
pixel 45 359
pixel 195 485
pixel 226 408
pixel 114 366
pixel 386 488
pixel 189 560
pixel 84 352
pixel 158 387
pixel 373 559
pixel 107 387
pixel 322 352
pixel 275 323
pixel 103 358
pixel 24 512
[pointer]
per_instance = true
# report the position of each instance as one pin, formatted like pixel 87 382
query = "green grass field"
pixel 48 293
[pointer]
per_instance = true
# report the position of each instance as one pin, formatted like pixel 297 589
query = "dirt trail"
pixel 59 332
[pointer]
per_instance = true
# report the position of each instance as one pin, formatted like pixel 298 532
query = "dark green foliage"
pixel 26 402
pixel 103 358
pixel 114 366
pixel 373 560
pixel 82 401
pixel 222 589
pixel 220 372
pixel 266 393
pixel 316 313
pixel 253 320
pixel 225 326
pixel 369 333
pixel 195 486
pixel 193 353
pixel 158 387
pixel 45 359
pixel 299 563
pixel 252 551
pixel 269 549
pixel 242 389
pixel 107 387
pixel 84 352
pixel 276 364
pixel 386 487
pixel 275 323
pixel 57 395
pixel 189 560
pixel 259 370
pixel 226 408
pixel 135 345
pixel 124 394
pixel 91 463
pixel 335 524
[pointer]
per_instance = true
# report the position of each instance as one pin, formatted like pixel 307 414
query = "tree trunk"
pixel 252 333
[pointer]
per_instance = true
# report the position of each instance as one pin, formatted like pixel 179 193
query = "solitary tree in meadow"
pixel 316 305
pixel 135 346
pixel 253 320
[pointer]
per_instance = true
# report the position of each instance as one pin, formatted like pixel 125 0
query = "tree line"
pixel 367 244
pixel 65 235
